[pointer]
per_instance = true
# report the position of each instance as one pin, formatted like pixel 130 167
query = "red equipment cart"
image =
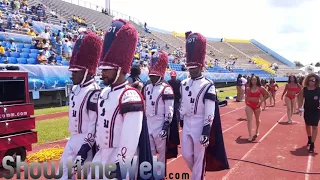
pixel 16 121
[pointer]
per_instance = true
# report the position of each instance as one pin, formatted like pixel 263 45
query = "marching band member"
pixel 202 145
pixel 83 99
pixel 121 126
pixel 159 99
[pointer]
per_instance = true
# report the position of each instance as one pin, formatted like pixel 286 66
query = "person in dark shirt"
pixel 52 59
pixel 238 85
pixel 175 85
pixel 134 79
pixel 309 99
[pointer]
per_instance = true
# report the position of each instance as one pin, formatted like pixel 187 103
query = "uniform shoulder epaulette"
pixel 93 99
pixel 131 100
pixel 211 93
pixel 167 93
pixel 209 80
pixel 73 88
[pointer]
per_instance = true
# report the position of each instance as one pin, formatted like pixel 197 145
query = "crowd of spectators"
pixel 61 43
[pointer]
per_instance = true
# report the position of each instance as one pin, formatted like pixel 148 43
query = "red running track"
pixel 279 144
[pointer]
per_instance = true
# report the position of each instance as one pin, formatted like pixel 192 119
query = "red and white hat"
pixel 119 46
pixel 173 73
pixel 196 45
pixel 159 63
pixel 86 53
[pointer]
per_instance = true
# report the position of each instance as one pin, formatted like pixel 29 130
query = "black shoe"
pixel 311 148
pixel 309 140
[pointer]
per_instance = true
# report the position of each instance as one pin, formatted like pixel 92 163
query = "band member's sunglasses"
pixel 312 80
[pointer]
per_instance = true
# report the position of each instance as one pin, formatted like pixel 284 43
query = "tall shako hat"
pixel 86 54
pixel 119 46
pixel 196 45
pixel 159 63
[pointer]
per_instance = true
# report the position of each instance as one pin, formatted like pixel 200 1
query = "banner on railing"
pixel 178 34
pixel 40 26
pixel 20 38
pixel 237 40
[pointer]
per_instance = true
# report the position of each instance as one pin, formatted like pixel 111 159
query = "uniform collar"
pixel 157 84
pixel 119 86
pixel 198 78
pixel 87 83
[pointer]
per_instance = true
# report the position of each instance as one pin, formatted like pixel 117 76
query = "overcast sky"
pixel 289 27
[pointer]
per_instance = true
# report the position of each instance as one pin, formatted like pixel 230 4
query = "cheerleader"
pixel 272 89
pixel 300 81
pixel 264 85
pixel 255 95
pixel 309 99
pixel 291 90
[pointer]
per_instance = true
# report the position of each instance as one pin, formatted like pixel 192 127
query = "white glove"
pixel 163 134
pixel 204 141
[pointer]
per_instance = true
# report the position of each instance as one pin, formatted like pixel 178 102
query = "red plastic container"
pixel 16 121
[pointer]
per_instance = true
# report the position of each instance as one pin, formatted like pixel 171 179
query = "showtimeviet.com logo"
pixel 35 170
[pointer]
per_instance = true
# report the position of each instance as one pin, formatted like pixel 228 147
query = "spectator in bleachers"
pixel 45 34
pixel 67 49
pixel 2 29
pixel 24 3
pixel 2 51
pixel 53 14
pixel 16 5
pixel 17 26
pixel 42 59
pixel 9 21
pixel 93 27
pixel 25 27
pixel 27 10
pixel 60 34
pixel 52 59
pixel 31 33
pixel 12 46
pixel 46 51
pixel 59 45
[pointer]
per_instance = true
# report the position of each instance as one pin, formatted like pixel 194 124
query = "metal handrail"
pixel 99 8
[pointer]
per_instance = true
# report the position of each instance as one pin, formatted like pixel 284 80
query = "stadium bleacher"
pixel 217 48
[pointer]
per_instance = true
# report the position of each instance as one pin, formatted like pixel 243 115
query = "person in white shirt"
pixel 45 34
pixel 243 87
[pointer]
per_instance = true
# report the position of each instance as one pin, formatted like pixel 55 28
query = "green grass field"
pixel 52 130
pixel 50 110
pixel 57 129
pixel 231 91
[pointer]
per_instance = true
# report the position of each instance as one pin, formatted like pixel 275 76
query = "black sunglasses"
pixel 312 80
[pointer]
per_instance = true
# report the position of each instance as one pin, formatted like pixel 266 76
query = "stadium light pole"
pixel 107 6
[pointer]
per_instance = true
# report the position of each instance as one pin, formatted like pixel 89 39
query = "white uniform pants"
pixel 71 150
pixel 158 145
pixel 193 154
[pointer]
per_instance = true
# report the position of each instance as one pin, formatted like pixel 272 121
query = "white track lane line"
pixel 237 165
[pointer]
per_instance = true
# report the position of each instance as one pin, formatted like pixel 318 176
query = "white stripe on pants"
pixel 193 154
pixel 158 145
